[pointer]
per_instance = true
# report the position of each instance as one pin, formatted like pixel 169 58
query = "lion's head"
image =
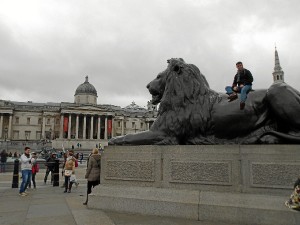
pixel 182 91
pixel 157 86
pixel 175 66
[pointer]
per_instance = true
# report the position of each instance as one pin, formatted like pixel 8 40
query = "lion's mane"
pixel 186 103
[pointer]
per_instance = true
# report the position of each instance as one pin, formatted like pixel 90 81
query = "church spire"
pixel 278 74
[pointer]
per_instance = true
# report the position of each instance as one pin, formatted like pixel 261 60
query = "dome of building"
pixel 86 93
pixel 86 88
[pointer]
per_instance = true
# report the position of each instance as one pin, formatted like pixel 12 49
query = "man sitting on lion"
pixel 242 83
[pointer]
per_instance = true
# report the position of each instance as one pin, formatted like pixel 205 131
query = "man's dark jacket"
pixel 245 77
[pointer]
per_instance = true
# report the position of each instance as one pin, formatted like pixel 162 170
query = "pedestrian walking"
pixel 93 172
pixel 69 169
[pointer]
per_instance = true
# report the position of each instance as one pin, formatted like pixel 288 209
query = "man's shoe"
pixel 85 203
pixel 232 97
pixel 242 105
pixel 23 194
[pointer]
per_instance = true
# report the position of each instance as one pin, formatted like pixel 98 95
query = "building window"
pixel 119 123
pixel 38 135
pixel 133 124
pixel 27 135
pixel 16 134
pixel 48 121
pixel 57 121
pixel 28 121
pixel 124 124
pixel 142 125
pixel 17 120
pixel 40 121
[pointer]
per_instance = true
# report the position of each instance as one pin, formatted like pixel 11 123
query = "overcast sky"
pixel 48 47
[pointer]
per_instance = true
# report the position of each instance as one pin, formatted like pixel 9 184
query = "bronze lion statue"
pixel 191 113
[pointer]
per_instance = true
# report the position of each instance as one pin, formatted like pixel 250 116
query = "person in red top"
pixel 34 169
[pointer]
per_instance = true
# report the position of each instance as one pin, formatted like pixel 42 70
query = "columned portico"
pixel 79 125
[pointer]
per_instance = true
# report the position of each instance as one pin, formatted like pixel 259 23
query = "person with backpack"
pixel 34 169
pixel 93 172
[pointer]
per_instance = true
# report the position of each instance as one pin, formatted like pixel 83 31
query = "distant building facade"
pixel 67 124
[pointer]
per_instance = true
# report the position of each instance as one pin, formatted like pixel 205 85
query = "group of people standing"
pixel 30 167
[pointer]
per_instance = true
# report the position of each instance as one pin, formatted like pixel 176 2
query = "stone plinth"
pixel 248 184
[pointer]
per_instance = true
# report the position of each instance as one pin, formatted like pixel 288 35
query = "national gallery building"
pixel 83 122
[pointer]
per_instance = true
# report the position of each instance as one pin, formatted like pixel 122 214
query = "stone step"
pixel 239 208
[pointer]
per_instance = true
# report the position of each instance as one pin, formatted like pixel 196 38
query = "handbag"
pixel 68 173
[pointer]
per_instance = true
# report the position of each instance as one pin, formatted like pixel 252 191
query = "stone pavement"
pixel 49 205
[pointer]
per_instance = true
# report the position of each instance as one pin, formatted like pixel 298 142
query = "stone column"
pixel 84 127
pixel 43 127
pixel 98 128
pixel 69 126
pixel 112 127
pixel 9 126
pixel 77 126
pixel 105 132
pixel 122 126
pixel 61 128
pixel 1 125
pixel 92 127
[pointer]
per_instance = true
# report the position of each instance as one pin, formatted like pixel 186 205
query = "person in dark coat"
pixel 50 163
pixel 4 156
pixel 93 172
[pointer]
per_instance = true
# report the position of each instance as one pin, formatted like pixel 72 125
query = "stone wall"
pixel 229 168
pixel 232 184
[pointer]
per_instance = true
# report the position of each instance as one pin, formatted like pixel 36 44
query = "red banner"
pixel 66 123
pixel 109 126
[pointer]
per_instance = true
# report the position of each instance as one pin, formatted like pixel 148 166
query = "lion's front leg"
pixel 142 138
